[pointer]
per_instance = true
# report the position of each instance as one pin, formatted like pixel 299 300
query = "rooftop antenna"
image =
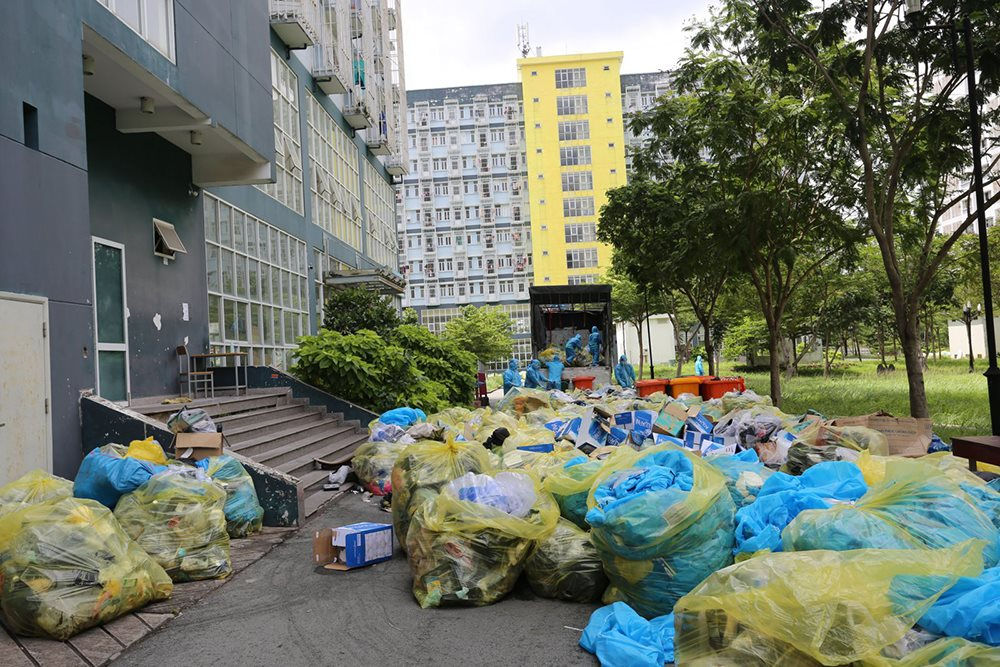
pixel 522 39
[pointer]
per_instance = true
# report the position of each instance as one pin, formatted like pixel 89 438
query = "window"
pixel 574 155
pixel 571 78
pixel 444 239
pixel 575 207
pixel 499 161
pixel 580 232
pixel 577 180
pixel 471 212
pixel 538 126
pixel 258 298
pixel 534 72
pixel 152 19
pixel 438 139
pixel 584 258
pixel 442 214
pixel 380 211
pixel 570 130
pixel 444 265
pixel 506 286
pixel 585 279
pixel 287 187
pixel 440 164
pixel 499 186
pixel 607 68
pixel 571 104
pixel 441 188
pixel 496 136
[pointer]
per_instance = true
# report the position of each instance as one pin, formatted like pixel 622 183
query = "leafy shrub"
pixel 366 369
pixel 440 360
pixel 351 309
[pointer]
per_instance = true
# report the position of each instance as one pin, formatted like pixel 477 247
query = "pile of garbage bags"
pixel 37 486
pixel 178 517
pixel 468 543
pixel 66 565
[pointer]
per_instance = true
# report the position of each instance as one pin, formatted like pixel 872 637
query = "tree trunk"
pixel 774 348
pixel 791 363
pixel 709 350
pixel 638 330
pixel 857 345
pixel 881 343
pixel 909 335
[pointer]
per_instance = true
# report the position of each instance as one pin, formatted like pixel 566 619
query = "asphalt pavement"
pixel 283 611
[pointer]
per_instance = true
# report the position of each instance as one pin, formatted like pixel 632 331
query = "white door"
pixel 25 425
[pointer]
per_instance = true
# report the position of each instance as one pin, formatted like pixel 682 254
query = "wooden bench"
pixel 978 449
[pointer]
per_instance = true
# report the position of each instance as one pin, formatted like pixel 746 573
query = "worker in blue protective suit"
pixel 624 373
pixel 594 345
pixel 534 378
pixel 555 373
pixel 573 347
pixel 699 366
pixel 511 376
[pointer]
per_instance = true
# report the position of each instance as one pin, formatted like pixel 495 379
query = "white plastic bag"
pixel 511 493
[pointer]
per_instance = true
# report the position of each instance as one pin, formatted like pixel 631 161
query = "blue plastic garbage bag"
pixel 570 485
pixel 745 475
pixel 619 637
pixel 783 497
pixel 986 498
pixel 403 416
pixel 105 476
pixel 662 521
pixel 915 507
pixel 969 609
pixel 244 514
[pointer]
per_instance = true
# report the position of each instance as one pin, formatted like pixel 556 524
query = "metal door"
pixel 25 423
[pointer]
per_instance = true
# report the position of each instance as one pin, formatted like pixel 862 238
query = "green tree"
pixel 486 332
pixel 352 309
pixel 897 93
pixel 627 306
pixel 746 338
pixel 766 174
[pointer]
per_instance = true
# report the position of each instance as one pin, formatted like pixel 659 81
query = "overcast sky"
pixel 467 42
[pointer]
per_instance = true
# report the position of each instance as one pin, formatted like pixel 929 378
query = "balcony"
pixel 296 22
pixel 395 166
pixel 356 112
pixel 379 145
pixel 331 77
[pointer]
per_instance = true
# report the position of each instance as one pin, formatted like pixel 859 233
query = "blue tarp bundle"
pixel 969 609
pixel 619 637
pixel 403 416
pixel 661 522
pixel 783 497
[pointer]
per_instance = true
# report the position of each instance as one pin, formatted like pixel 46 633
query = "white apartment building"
pixel 463 226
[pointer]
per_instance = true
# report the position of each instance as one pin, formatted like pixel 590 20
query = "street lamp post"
pixel 967 316
pixel 915 8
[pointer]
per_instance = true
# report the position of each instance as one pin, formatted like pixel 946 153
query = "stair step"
pixel 313 478
pixel 274 441
pixel 275 425
pixel 275 457
pixel 314 501
pixel 295 405
pixel 335 449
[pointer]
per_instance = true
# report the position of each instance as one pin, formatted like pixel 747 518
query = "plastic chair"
pixel 195 379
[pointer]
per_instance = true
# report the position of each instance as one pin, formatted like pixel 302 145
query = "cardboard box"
pixel 197 446
pixel 699 422
pixel 642 424
pixel 355 545
pixel 671 419
pixel 595 425
pixel 617 436
pixel 624 420
pixel 908 436
pixel 661 439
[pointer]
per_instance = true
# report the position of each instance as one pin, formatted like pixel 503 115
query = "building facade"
pixel 182 173
pixel 464 229
pixel 575 154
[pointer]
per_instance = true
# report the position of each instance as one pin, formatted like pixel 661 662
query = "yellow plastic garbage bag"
pixel 814 607
pixel 178 517
pixel 539 464
pixel 662 521
pixel 525 435
pixel 147 450
pixel 244 514
pixel 36 486
pixel 372 463
pixel 915 507
pixel 66 565
pixel 945 652
pixel 523 400
pixel 423 468
pixel 565 566
pixel 467 546
pixel 479 430
pixel 570 484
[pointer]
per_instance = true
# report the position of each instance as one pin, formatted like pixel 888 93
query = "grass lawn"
pixel 957 399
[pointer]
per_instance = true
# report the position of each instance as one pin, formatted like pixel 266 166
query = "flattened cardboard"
pixel 197 446
pixel 671 419
pixel 908 436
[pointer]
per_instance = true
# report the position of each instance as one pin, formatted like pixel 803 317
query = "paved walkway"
pixel 282 611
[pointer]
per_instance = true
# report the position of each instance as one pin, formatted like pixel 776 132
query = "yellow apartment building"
pixel 575 146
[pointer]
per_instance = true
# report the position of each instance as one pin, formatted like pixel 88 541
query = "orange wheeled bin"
pixel 717 387
pixel 647 387
pixel 583 382
pixel 688 384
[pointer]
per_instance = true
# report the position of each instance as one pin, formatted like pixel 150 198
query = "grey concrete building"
pixel 181 172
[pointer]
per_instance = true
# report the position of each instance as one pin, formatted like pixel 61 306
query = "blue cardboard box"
pixel 616 436
pixel 624 420
pixel 354 545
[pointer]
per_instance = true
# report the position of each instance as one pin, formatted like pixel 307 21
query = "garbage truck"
pixel 558 312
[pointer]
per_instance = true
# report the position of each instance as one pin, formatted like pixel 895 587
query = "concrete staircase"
pixel 287 434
